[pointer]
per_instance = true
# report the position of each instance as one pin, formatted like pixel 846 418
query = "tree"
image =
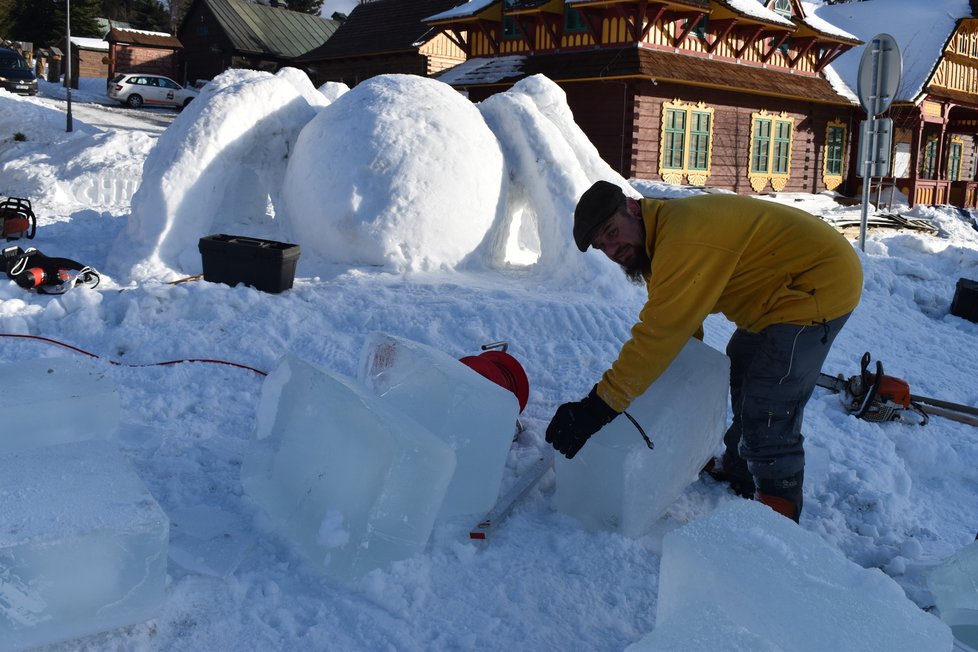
pixel 150 15
pixel 306 6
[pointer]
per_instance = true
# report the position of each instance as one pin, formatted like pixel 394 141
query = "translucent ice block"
pixel 787 586
pixel 955 587
pixel 83 544
pixel 616 482
pixel 352 481
pixel 473 415
pixel 54 401
pixel 702 627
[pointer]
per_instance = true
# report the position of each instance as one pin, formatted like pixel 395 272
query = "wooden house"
pixel 385 36
pixel 735 94
pixel 89 58
pixel 221 34
pixel 935 110
pixel 133 50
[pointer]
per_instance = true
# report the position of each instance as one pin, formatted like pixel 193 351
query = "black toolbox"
pixel 965 302
pixel 266 265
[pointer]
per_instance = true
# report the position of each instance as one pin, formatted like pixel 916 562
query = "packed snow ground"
pixel 891 496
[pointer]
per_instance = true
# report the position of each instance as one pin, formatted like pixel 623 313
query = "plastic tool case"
pixel 266 265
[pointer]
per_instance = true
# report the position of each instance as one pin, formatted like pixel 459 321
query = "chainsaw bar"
pixel 504 506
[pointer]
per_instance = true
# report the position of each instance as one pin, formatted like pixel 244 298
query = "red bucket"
pixel 502 369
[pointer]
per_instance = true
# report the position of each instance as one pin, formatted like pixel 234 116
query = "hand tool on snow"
pixel 878 397
pixel 529 479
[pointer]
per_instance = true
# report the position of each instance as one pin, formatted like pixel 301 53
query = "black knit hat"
pixel 597 204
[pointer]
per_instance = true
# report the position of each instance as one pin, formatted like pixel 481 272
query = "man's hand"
pixel 573 423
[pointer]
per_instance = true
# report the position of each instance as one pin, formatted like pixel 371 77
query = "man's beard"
pixel 637 268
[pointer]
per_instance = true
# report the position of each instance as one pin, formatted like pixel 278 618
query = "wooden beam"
pixel 650 20
pixel 830 55
pixel 749 41
pixel 631 19
pixel 592 20
pixel 458 39
pixel 489 28
pixel 726 26
pixel 804 46
pixel 775 44
pixel 690 26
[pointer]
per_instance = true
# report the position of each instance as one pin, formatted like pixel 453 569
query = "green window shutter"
pixel 930 159
pixel 834 149
pixel 782 147
pixel 954 162
pixel 699 141
pixel 675 139
pixel 761 146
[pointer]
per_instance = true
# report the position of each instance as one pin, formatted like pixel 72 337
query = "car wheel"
pixel 185 103
pixel 135 101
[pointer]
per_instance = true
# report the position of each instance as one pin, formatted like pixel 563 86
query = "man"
pixel 786 279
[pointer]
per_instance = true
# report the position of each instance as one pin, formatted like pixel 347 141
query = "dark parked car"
pixel 15 75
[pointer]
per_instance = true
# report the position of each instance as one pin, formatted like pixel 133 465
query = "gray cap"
pixel 597 204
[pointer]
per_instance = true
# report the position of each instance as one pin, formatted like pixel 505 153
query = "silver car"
pixel 138 89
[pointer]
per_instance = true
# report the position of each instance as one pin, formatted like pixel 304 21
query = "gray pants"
pixel 772 376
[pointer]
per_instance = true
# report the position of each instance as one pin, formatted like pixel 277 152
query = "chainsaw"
pixel 17 219
pixel 878 397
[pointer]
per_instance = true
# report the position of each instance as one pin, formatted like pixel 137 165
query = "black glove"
pixel 573 423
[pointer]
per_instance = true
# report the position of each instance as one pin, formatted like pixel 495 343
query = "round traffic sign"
pixel 879 75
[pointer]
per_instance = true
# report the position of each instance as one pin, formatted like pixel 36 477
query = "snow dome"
pixel 400 172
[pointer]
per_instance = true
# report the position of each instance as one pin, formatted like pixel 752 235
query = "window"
pixel 929 164
pixel 509 28
pixel 700 30
pixel 770 150
pixel 835 154
pixel 573 21
pixel 782 7
pixel 954 159
pixel 685 142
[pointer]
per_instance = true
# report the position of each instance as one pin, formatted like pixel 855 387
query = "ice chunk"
pixel 702 627
pixel 54 401
pixel 616 482
pixel 207 540
pixel 788 586
pixel 955 587
pixel 82 544
pixel 473 415
pixel 352 481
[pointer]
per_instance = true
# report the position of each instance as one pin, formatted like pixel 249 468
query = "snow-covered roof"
pixel 90 43
pixel 755 9
pixel 470 8
pixel 823 26
pixel 921 30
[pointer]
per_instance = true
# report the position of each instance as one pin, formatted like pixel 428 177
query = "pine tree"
pixel 150 15
pixel 313 7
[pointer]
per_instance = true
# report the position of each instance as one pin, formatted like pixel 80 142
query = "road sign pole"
pixel 879 75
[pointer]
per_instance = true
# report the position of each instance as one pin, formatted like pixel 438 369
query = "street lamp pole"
pixel 68 59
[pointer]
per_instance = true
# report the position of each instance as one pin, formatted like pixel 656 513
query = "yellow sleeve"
pixel 684 288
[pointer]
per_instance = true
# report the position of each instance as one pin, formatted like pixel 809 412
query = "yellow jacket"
pixel 757 262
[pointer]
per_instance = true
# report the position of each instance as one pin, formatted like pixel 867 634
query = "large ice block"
pixel 473 415
pixel 616 482
pixel 351 480
pixel 955 587
pixel 55 401
pixel 699 628
pixel 83 544
pixel 788 586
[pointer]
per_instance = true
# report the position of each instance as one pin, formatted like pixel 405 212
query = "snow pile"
pixel 399 172
pixel 215 169
pixel 39 158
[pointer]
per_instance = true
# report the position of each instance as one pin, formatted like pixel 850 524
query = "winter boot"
pixel 732 471
pixel 783 495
